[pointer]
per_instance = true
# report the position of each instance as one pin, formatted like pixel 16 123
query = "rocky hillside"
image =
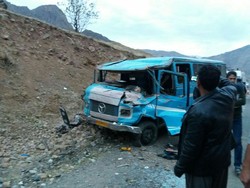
pixel 43 58
pixel 41 68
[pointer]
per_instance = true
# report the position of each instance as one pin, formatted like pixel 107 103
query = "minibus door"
pixel 173 99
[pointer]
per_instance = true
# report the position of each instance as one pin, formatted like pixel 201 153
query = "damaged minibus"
pixel 141 95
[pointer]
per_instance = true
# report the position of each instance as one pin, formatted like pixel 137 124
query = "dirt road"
pixel 140 167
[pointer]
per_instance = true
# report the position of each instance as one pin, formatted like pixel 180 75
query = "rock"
pixel 51 51
pixel 50 161
pixel 43 176
pixel 59 147
pixel 34 171
pixel 93 144
pixel 46 36
pixel 36 177
pixel 91 48
pixel 2 131
pixel 141 158
pixel 29 159
pixel 6 159
pixel 3 16
pixel 41 147
pixel 100 150
pixel 5 37
pixel 20 183
pixel 43 185
pixel 92 160
pixel 5 164
pixel 6 184
pixel 55 157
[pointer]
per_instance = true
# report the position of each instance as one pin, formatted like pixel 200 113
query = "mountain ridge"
pixel 50 14
pixel 238 58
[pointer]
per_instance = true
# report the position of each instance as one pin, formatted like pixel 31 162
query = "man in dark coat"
pixel 237 120
pixel 205 138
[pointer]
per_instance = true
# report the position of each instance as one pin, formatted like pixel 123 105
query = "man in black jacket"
pixel 237 120
pixel 205 138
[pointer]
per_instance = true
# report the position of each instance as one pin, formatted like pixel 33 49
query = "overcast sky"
pixel 190 27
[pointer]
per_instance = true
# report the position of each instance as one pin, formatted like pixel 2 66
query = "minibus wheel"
pixel 149 132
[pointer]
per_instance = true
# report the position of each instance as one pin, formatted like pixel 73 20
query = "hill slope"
pixel 41 67
pixel 239 58
pixel 159 53
pixel 39 61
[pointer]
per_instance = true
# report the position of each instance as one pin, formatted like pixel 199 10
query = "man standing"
pixel 237 120
pixel 205 139
pixel 245 174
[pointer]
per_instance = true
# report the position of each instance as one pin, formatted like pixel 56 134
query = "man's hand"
pixel 177 171
pixel 245 173
pixel 245 177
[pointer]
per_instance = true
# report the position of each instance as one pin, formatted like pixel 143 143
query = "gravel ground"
pixel 92 157
pixel 139 168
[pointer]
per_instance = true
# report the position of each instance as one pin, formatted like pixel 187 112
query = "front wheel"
pixel 149 133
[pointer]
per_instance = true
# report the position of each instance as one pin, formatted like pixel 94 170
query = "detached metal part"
pixel 67 125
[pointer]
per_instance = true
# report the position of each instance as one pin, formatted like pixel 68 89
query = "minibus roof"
pixel 152 63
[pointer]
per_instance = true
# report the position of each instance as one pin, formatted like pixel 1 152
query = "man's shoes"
pixel 237 170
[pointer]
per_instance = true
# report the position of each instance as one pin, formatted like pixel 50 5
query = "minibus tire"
pixel 149 132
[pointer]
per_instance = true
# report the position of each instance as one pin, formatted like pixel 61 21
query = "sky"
pixel 190 27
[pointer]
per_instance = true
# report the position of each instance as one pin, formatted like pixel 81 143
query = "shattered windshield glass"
pixel 137 81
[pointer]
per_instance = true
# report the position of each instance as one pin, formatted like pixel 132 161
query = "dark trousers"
pixel 218 180
pixel 237 132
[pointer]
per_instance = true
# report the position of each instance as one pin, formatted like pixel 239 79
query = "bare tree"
pixel 80 13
